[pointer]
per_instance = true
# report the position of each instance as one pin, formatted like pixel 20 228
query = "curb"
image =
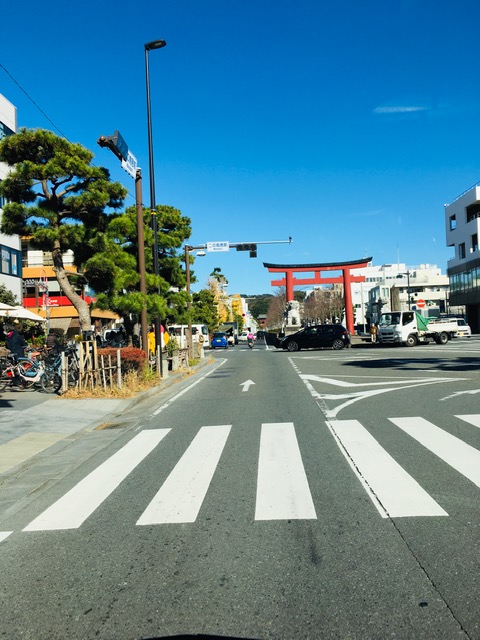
pixel 165 383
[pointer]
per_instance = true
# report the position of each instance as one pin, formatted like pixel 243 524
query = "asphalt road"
pixel 336 497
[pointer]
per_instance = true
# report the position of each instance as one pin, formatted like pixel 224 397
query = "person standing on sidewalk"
pixel 373 332
pixel 15 342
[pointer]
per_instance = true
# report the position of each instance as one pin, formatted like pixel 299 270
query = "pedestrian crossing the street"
pixel 283 490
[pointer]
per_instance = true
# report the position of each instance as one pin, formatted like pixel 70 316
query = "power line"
pixel 42 111
pixel 33 101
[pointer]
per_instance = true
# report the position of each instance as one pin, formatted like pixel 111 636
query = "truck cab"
pixel 395 326
pixel 410 328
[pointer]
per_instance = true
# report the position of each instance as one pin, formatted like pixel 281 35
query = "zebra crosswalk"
pixel 180 497
pixel 282 485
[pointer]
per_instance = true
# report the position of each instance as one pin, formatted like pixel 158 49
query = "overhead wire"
pixel 42 111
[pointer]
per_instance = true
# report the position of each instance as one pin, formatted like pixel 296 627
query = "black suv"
pixel 317 336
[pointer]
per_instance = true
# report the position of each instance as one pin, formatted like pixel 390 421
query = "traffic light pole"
pixel 239 246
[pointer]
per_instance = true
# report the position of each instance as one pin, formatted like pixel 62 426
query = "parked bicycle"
pixel 52 380
pixel 24 373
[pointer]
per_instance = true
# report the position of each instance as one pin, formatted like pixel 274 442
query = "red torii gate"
pixel 346 279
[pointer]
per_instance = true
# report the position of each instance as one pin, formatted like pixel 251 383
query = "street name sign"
pixel 130 164
pixel 218 246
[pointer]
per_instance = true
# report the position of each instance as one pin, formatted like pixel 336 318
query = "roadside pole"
pixel 216 247
pixel 119 147
pixel 141 257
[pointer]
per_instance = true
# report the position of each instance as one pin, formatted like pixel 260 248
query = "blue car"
pixel 219 340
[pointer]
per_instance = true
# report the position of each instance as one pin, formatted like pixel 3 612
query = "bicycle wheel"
pixel 5 382
pixel 51 382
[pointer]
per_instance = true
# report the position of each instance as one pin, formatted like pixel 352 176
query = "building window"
pixel 461 251
pixel 475 242
pixel 473 212
pixel 10 261
pixel 5 131
pixel 5 260
pixel 453 222
pixel 14 263
pixel 3 200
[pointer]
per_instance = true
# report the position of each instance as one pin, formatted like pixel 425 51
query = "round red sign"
pixel 420 303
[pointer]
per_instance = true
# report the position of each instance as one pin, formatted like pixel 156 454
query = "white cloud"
pixel 398 109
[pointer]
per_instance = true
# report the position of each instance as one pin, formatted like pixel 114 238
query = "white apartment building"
pixel 10 247
pixel 462 222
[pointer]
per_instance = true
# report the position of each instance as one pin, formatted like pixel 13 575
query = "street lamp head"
pixel 155 44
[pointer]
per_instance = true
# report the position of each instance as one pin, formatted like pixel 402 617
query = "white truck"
pixel 410 328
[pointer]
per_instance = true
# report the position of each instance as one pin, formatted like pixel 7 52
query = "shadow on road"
pixel 462 363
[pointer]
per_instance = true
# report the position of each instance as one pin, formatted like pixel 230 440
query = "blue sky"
pixel 345 125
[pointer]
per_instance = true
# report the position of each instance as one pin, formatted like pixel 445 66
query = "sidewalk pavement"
pixel 38 422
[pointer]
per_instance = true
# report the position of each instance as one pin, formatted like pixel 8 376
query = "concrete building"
pixel 462 218
pixel 390 287
pixel 10 247
pixel 399 288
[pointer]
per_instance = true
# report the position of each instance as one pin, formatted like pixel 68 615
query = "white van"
pixel 199 334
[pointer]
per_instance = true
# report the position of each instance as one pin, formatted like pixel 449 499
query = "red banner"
pixel 53 301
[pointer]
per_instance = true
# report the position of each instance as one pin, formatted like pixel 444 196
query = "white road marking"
pixel 473 419
pixel 355 396
pixel 72 509
pixel 181 495
pixel 471 392
pixel 342 383
pixel 455 452
pixel 246 385
pixel 282 486
pixel 392 490
pixel 4 535
pixel 180 394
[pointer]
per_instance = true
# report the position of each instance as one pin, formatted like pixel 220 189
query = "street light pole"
pixel 408 289
pixel 155 44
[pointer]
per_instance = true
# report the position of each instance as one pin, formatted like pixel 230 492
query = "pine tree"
pixel 57 198
pixel 112 270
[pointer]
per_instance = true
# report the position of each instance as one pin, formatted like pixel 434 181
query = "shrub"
pixel 132 359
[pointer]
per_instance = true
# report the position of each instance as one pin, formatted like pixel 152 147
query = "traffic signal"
pixel 252 247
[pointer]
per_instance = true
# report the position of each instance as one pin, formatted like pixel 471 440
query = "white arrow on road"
pixel 246 385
